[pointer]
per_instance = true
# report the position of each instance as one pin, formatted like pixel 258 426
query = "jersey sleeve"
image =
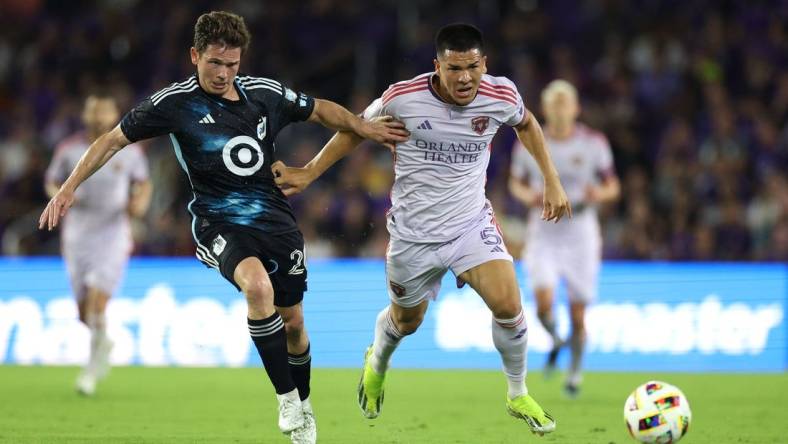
pixel 375 109
pixel 295 106
pixel 139 171
pixel 57 171
pixel 147 120
pixel 515 111
pixel 605 167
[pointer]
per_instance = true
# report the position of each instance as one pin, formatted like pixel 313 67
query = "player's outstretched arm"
pixel 527 195
pixel 295 180
pixel 387 132
pixel 555 202
pixel 606 192
pixel 139 202
pixel 99 152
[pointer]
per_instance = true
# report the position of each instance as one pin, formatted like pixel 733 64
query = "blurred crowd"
pixel 693 97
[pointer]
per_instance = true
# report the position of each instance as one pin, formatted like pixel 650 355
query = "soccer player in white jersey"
pixel 440 219
pixel 96 237
pixel 570 249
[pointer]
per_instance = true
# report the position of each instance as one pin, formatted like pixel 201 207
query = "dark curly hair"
pixel 221 28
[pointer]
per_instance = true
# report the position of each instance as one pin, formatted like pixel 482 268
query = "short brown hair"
pixel 221 28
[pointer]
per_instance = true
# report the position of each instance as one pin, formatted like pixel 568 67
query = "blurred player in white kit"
pixel 571 249
pixel 440 219
pixel 96 237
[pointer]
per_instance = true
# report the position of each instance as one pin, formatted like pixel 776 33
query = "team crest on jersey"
pixel 397 289
pixel 261 127
pixel 480 124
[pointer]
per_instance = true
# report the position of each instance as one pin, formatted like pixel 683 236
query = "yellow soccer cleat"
pixel 526 408
pixel 370 389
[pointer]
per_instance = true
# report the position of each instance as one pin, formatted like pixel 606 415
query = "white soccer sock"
pixel 97 324
pixel 577 345
pixel 387 338
pixel 510 337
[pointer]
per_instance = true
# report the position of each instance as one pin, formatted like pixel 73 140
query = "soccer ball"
pixel 657 413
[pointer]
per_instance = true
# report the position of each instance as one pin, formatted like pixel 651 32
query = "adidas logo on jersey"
pixel 207 119
pixel 425 125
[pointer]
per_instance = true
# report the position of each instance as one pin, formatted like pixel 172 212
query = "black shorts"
pixel 224 246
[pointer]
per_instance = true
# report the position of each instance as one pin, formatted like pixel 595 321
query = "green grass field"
pixel 38 404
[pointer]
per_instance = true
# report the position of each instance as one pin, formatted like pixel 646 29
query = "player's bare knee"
pixel 578 327
pixel 259 294
pixel 507 310
pixel 544 311
pixel 408 322
pixel 409 327
pixel 544 301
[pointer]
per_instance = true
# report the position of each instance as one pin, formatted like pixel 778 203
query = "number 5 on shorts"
pixel 490 236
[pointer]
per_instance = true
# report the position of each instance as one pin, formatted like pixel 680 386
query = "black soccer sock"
pixel 301 371
pixel 271 341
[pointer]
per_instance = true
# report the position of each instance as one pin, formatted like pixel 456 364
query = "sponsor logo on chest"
pixel 451 152
pixel 450 141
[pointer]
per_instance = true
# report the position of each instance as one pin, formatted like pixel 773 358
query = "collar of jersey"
pixel 241 94
pixel 440 99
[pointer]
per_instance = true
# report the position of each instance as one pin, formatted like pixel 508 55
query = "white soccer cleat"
pixel 101 362
pixel 307 433
pixel 86 383
pixel 291 415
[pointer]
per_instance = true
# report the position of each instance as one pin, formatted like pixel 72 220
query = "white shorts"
pixel 414 270
pixel 102 269
pixel 576 260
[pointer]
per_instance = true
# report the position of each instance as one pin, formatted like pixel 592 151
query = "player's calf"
pixel 544 312
pixel 577 346
pixel 298 349
pixel 267 329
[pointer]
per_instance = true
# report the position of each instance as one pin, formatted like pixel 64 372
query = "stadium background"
pixel 693 97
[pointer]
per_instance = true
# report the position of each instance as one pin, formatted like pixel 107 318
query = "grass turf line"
pixel 39 405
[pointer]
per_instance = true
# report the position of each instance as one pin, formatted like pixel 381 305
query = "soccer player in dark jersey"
pixel 223 126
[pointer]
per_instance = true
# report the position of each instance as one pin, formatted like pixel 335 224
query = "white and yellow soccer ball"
pixel 657 413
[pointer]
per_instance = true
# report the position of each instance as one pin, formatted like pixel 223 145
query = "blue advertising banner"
pixel 649 316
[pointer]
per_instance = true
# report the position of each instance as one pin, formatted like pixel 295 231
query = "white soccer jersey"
pixel 440 172
pixel 98 218
pixel 582 160
pixel 571 248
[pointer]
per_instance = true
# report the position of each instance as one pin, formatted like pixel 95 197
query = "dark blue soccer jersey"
pixel 226 147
